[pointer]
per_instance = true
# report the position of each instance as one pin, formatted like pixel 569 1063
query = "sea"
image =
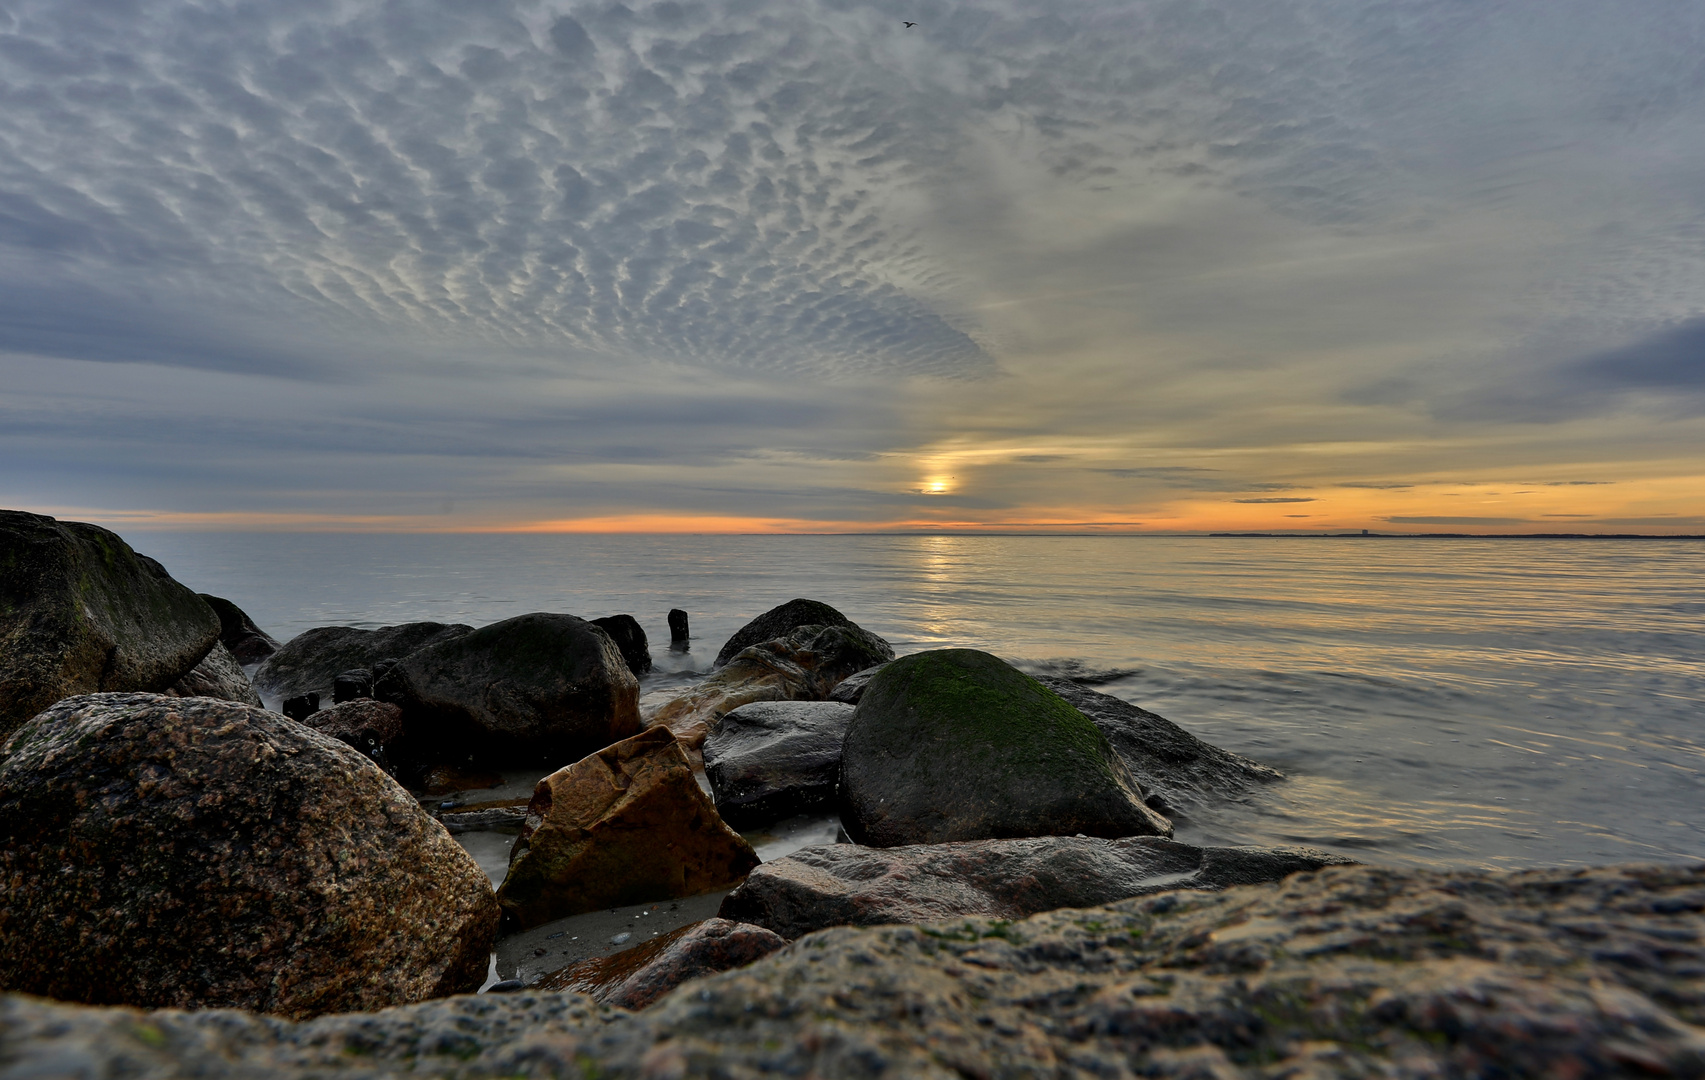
pixel 1493 703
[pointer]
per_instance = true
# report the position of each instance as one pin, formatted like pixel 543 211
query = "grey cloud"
pixel 1672 359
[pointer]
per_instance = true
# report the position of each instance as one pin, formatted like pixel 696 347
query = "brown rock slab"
pixel 636 977
pixel 198 853
pixel 81 612
pixel 850 885
pixel 626 825
pixel 804 664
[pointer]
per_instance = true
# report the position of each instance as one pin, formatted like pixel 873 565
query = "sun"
pixel 937 485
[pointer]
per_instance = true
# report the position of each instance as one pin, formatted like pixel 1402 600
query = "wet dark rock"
pixel 955 744
pixel 1170 763
pixel 217 676
pixel 369 726
pixel 636 977
pixel 81 612
pixel 300 707
pixel 312 660
pixel 542 689
pixel 1345 974
pixel 779 622
pixel 248 643
pixel 626 825
pixel 629 637
pixel 850 885
pixel 805 664
pixel 352 684
pixel 852 687
pixel 507 986
pixel 677 627
pixel 195 853
pixel 773 759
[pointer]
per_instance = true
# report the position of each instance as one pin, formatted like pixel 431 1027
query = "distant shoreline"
pixel 1365 535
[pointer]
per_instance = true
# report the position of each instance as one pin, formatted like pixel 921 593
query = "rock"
pixel 852 687
pixel 246 641
pixel 300 707
pixel 541 689
pixel 850 885
pixel 352 684
pixel 779 622
pixel 636 977
pixel 803 665
pixel 1165 759
pixel 1352 972
pixel 217 676
pixel 446 779
pixel 81 612
pixel 955 744
pixel 772 759
pixel 626 825
pixel 677 627
pixel 629 637
pixel 199 853
pixel 312 660
pixel 369 726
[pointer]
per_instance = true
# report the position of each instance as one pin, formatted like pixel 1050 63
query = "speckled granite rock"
pixel 956 744
pixel 248 643
pixel 311 661
pixel 217 676
pixel 636 977
pixel 623 826
pixel 369 726
pixel 780 621
pixel 1349 973
pixel 194 852
pixel 770 759
pixel 804 664
pixel 80 612
pixel 544 689
pixel 1165 759
pixel 850 885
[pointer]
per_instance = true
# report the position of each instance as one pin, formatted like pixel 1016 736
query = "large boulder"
pixel 804 664
pixel 629 637
pixel 1169 762
pixel 851 885
pixel 538 688
pixel 195 853
pixel 217 676
pixel 956 744
pixel 247 642
pixel 626 825
pixel 636 977
pixel 1346 974
pixel 778 622
pixel 311 661
pixel 771 759
pixel 81 612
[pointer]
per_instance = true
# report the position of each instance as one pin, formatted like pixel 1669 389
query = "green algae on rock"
pixel 81 612
pixel 956 744
pixel 193 852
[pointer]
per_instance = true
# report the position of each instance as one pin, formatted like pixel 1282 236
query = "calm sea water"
pixel 1449 702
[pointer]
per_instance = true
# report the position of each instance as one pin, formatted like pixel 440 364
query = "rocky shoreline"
pixel 1005 898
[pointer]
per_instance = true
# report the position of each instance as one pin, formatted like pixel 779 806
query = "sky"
pixel 791 266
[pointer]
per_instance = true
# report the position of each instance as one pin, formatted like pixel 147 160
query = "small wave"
pixel 1075 670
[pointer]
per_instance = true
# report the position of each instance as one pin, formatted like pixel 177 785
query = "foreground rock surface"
pixel 1165 759
pixel 194 852
pixel 247 642
pixel 850 885
pixel 956 744
pixel 1352 972
pixel 623 826
pixel 804 664
pixel 311 661
pixel 772 759
pixel 541 688
pixel 217 676
pixel 80 612
pixel 780 621
pixel 636 977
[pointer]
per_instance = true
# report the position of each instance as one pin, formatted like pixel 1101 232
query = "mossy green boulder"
pixel 956 744
pixel 80 612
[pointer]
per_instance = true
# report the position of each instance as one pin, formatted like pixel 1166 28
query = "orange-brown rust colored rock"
pixel 197 853
pixel 626 825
